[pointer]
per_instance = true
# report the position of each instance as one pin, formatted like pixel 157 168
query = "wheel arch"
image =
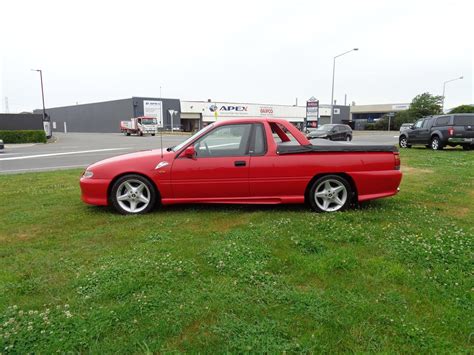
pixel 346 176
pixel 112 182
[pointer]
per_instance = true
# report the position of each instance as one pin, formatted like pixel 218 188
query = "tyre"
pixel 127 134
pixel 330 193
pixel 348 138
pixel 466 147
pixel 436 143
pixel 403 142
pixel 153 134
pixel 133 194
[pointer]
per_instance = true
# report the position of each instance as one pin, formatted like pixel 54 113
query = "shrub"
pixel 37 136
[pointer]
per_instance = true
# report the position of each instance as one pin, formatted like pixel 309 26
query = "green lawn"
pixel 393 276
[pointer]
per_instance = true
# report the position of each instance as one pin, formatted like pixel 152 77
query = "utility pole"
pixel 334 75
pixel 46 125
pixel 444 89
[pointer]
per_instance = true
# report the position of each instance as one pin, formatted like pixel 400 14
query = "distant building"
pixel 360 115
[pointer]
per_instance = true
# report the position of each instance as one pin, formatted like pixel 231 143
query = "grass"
pixel 393 276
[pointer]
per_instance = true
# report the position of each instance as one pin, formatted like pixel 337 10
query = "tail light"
pixel 451 131
pixel 397 161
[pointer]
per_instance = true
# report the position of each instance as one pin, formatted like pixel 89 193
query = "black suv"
pixel 436 132
pixel 333 132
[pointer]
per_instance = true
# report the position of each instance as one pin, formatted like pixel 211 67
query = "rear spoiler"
pixel 294 149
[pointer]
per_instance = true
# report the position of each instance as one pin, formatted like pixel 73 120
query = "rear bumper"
pixel 461 140
pixel 94 191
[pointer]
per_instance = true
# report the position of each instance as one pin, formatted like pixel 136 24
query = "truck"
pixel 245 161
pixel 139 126
pixel 437 132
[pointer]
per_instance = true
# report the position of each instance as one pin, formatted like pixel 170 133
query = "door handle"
pixel 240 163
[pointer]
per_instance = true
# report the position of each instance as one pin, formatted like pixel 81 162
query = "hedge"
pixel 23 136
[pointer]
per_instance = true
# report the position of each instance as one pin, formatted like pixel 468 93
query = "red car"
pixel 245 161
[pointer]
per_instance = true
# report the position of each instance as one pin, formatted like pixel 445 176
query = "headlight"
pixel 87 174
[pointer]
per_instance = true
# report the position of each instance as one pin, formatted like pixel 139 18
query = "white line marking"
pixel 65 153
pixel 45 168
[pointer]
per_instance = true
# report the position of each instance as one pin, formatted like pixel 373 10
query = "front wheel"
pixel 348 138
pixel 133 194
pixel 403 142
pixel 330 193
pixel 436 143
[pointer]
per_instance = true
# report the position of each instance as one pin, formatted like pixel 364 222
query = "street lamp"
pixel 333 75
pixel 42 97
pixel 444 88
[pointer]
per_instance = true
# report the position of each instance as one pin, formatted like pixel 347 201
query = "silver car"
pixel 405 126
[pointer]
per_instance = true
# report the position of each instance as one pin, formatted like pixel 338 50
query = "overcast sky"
pixel 244 51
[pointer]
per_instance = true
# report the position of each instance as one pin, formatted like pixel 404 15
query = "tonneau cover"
pixel 330 146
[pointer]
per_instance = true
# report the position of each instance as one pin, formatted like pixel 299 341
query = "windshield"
pixel 148 120
pixel 190 139
pixel 325 127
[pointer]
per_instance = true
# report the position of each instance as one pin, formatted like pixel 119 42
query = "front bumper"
pixel 94 191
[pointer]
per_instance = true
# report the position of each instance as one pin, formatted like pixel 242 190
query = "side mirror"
pixel 190 152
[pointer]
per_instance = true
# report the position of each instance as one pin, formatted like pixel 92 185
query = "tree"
pixel 426 105
pixel 463 109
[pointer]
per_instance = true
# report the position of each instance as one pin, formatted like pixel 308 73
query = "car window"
pixel 224 141
pixel 467 120
pixel 418 124
pixel 426 123
pixel 442 121
pixel 281 134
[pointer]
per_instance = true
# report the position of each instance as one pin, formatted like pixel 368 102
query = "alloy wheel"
pixel 133 196
pixel 330 195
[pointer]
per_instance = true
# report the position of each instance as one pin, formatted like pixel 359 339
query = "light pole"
pixel 333 76
pixel 42 97
pixel 444 89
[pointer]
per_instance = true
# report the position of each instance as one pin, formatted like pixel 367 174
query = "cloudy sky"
pixel 245 51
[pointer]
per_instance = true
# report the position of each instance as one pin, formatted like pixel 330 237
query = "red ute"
pixel 248 161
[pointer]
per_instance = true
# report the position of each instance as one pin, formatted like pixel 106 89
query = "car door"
pixel 424 133
pixel 220 167
pixel 414 133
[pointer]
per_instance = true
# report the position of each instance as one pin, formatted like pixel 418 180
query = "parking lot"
pixel 78 150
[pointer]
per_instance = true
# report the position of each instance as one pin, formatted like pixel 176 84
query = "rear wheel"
pixel 133 194
pixel 436 143
pixel 330 193
pixel 403 142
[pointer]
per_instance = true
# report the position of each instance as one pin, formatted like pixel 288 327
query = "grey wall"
pixel 20 121
pixel 344 115
pixel 105 117
pixel 168 104
pixel 100 117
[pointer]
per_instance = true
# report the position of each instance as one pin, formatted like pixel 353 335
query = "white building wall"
pixel 212 111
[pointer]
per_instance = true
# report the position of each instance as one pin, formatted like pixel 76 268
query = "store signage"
pixel 153 108
pixel 266 111
pixel 312 109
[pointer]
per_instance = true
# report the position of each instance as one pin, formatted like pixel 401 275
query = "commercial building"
pixel 173 114
pixel 105 117
pixel 195 114
pixel 360 115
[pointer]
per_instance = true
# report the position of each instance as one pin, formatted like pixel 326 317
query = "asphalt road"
pixel 78 150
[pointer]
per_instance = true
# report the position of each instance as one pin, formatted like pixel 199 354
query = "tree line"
pixel 421 106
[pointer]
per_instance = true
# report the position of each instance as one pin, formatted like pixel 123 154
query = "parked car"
pixel 1 144
pixel 436 132
pixel 245 161
pixel 333 132
pixel 405 126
